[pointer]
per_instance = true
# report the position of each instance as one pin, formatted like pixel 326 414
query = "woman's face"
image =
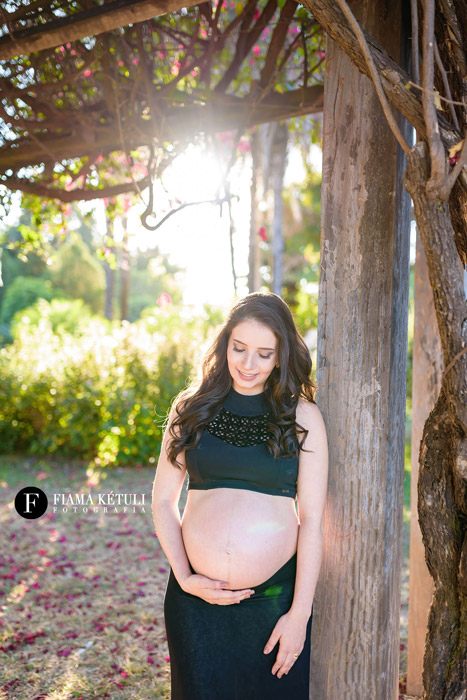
pixel 251 356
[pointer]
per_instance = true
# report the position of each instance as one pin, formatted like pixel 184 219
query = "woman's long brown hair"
pixel 199 403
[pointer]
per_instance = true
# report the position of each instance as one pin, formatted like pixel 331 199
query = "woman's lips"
pixel 246 376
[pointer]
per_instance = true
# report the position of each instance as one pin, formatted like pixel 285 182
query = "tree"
pixel 78 274
pixel 142 91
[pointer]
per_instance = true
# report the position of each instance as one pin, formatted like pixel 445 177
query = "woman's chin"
pixel 241 384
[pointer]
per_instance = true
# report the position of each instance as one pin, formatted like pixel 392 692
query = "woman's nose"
pixel 248 361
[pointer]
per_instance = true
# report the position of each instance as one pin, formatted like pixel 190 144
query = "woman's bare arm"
pixel 166 491
pixel 311 496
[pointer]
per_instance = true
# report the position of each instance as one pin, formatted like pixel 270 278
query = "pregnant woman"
pixel 244 563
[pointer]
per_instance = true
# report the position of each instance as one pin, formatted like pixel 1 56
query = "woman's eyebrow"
pixel 242 343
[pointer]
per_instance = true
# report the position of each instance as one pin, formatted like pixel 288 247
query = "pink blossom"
pixel 87 73
pixel 162 301
pixel 262 233
pixel 256 50
pixel 135 61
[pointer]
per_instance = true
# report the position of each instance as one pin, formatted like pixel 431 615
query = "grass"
pixel 82 613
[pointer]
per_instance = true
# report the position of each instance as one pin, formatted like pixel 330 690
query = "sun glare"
pixel 197 237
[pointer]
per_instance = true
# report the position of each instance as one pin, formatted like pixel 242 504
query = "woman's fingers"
pixel 214 591
pixel 226 596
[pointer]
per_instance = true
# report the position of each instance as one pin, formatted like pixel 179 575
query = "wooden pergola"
pixel 362 338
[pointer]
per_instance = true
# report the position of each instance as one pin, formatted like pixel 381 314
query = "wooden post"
pixel 426 381
pixel 361 377
pixel 253 256
pixel 278 166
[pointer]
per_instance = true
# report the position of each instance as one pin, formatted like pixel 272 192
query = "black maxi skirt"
pixel 216 651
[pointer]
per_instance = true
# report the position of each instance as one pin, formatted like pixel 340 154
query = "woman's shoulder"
pixel 307 411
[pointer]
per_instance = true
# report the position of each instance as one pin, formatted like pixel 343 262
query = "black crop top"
pixel 232 451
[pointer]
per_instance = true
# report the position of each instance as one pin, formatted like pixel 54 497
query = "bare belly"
pixel 242 537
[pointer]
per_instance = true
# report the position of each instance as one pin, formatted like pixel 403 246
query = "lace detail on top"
pixel 242 431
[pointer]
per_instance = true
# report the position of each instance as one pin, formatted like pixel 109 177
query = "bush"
pixel 23 292
pixel 79 275
pixel 64 316
pixel 102 394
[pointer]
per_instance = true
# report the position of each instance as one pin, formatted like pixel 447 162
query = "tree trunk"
pixel 278 166
pixel 442 486
pixel 361 377
pixel 253 255
pixel 426 383
pixel 231 238
pixel 109 273
pixel 125 273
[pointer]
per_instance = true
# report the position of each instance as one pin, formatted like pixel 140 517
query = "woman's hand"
pixel 290 632
pixel 214 591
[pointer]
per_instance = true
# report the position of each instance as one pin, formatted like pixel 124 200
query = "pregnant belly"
pixel 238 536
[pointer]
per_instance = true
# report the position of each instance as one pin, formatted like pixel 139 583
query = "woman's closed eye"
pixel 263 357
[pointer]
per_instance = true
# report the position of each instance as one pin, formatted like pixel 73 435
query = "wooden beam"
pixel 91 22
pixel 361 377
pixel 177 123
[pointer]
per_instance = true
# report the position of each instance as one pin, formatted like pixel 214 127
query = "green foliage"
pixel 63 315
pixel 306 309
pixel 23 292
pixel 151 274
pixel 302 217
pixel 78 274
pixel 102 393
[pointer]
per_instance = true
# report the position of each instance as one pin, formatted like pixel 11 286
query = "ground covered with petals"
pixel 82 592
